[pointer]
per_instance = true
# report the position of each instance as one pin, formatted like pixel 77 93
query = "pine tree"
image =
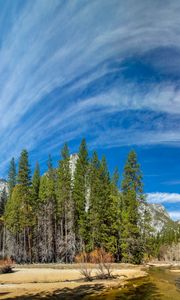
pixel 14 220
pixel 3 202
pixel 51 174
pixel 115 179
pixel 11 176
pixel 116 208
pixel 24 172
pixel 47 215
pixel 24 198
pixel 80 195
pixel 35 208
pixel 36 183
pixel 93 215
pixel 106 209
pixel 65 209
pixel 132 189
pixel 101 208
pixel 51 194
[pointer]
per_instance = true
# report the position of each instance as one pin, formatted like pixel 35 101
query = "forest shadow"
pixel 65 293
pixel 177 283
pixel 145 291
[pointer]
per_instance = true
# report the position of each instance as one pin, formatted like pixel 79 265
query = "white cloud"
pixel 163 197
pixel 50 44
pixel 172 182
pixel 175 215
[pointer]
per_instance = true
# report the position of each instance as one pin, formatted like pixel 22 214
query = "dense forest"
pixel 77 207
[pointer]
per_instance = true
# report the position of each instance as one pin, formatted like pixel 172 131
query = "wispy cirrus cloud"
pixel 175 215
pixel 163 197
pixel 172 182
pixel 66 71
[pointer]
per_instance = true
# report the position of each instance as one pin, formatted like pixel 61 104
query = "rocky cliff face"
pixel 159 216
pixel 3 194
pixel 3 185
pixel 72 162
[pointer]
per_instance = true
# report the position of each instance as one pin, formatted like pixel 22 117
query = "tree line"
pixel 75 208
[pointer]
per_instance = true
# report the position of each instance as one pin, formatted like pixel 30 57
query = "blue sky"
pixel 107 70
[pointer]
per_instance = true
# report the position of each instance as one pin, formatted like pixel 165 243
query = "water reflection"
pixel 162 284
pixel 144 291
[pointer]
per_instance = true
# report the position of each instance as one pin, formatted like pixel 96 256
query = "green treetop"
pixel 11 176
pixel 132 191
pixel 80 193
pixel 36 183
pixel 24 172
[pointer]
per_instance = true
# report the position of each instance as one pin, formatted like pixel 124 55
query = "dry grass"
pixel 33 281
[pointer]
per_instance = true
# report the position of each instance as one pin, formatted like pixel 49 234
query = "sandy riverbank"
pixel 168 264
pixel 64 283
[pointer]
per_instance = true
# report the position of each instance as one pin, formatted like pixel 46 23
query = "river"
pixel 161 284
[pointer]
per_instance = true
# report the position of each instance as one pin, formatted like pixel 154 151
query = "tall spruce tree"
pixel 11 176
pixel 65 209
pixel 24 172
pixel 51 194
pixel 24 184
pixel 51 174
pixel 47 215
pixel 107 207
pixel 36 183
pixel 132 189
pixel 35 208
pixel 18 213
pixel 116 208
pixel 93 215
pixel 101 208
pixel 25 201
pixel 80 195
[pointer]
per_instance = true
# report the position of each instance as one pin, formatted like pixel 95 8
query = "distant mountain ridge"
pixel 3 185
pixel 159 216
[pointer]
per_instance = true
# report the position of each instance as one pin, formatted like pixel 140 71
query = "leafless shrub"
pixel 104 261
pixel 83 260
pixel 6 266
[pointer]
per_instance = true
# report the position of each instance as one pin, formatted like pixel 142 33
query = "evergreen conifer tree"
pixel 80 195
pixel 101 208
pixel 24 198
pixel 116 208
pixel 93 216
pixel 24 172
pixel 36 183
pixel 19 217
pixel 11 176
pixel 35 208
pixel 65 209
pixel 132 189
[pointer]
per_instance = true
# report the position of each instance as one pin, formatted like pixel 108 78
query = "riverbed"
pixel 160 284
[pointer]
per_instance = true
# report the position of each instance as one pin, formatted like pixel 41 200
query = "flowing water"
pixel 161 284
